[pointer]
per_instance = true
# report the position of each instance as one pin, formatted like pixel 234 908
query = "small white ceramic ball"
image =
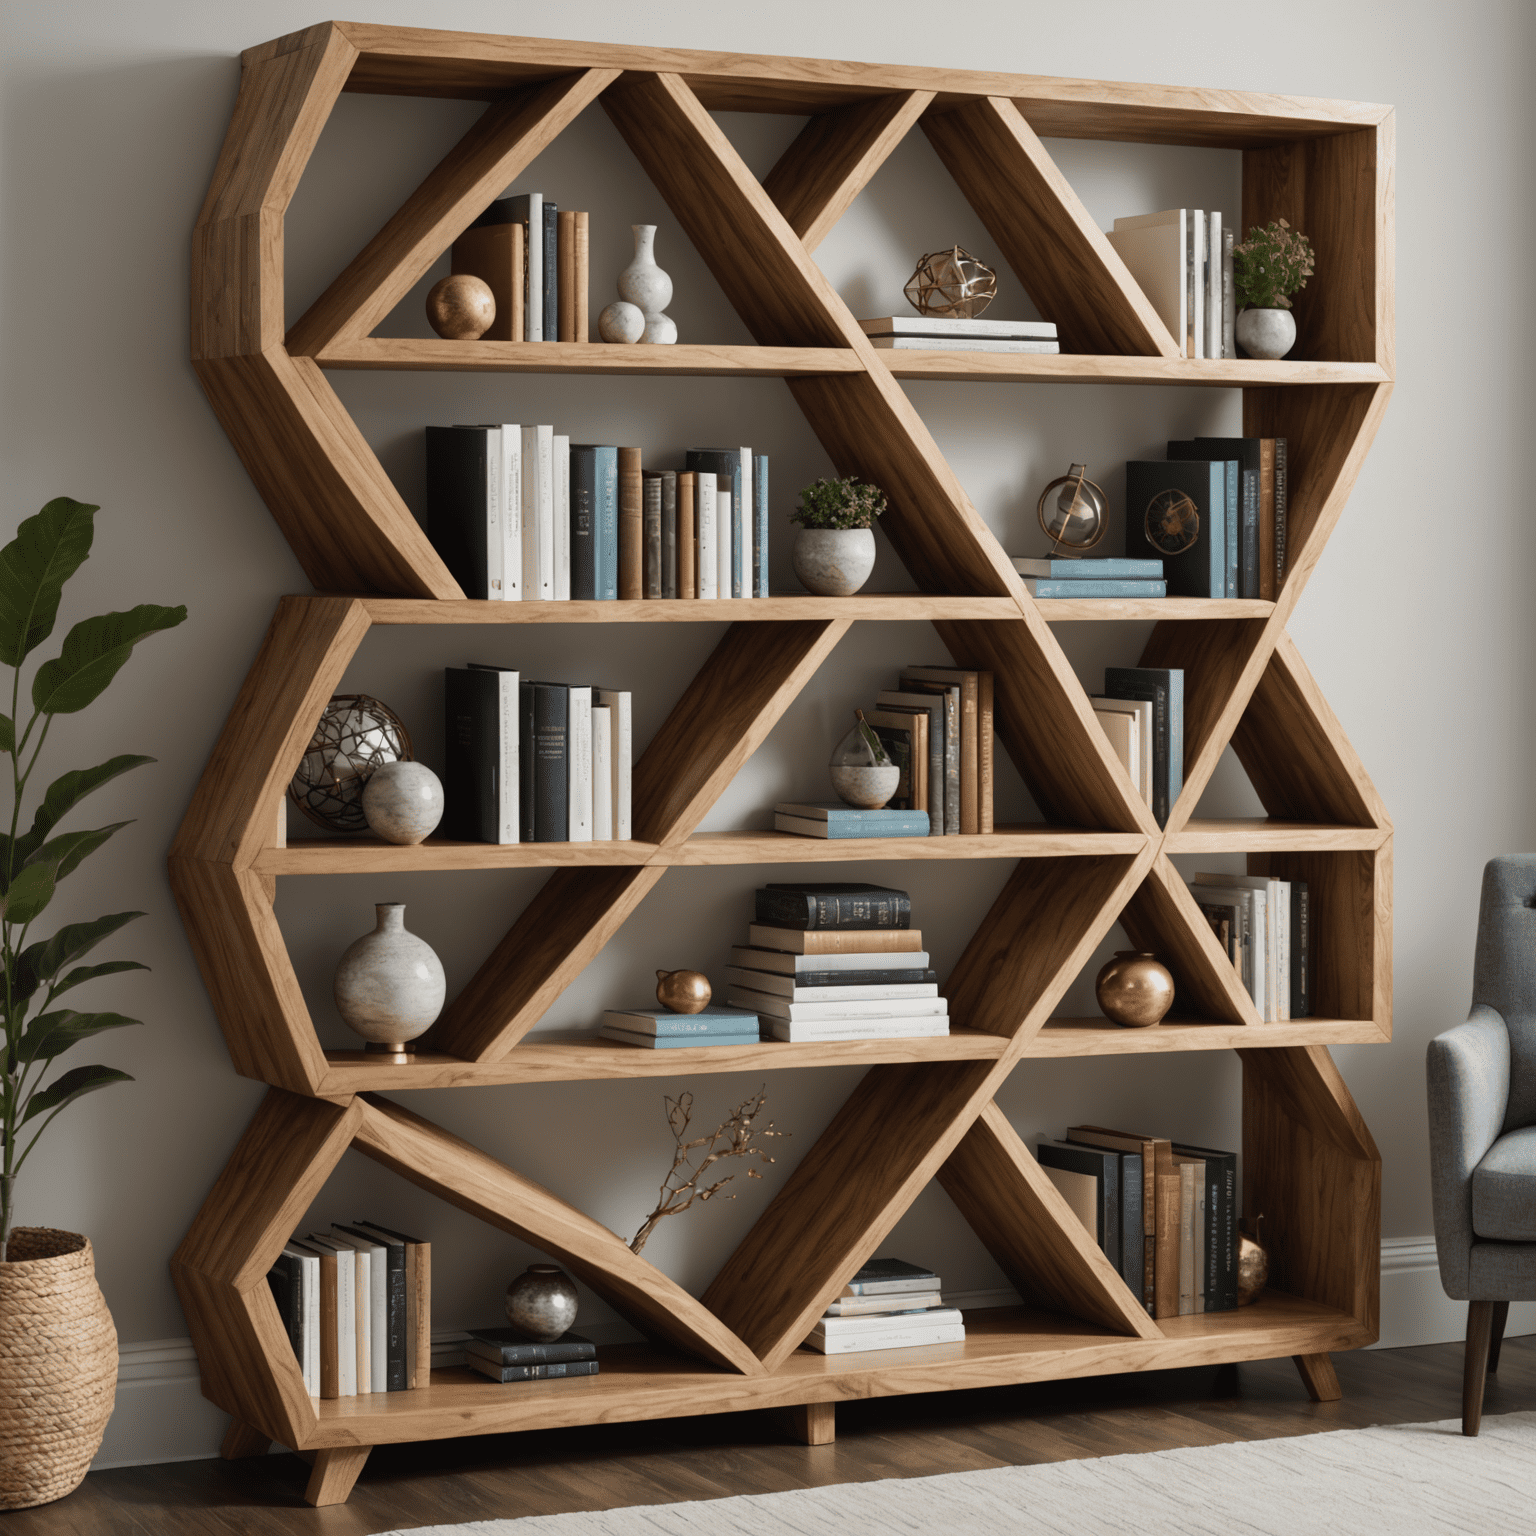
pixel 660 331
pixel 403 802
pixel 621 322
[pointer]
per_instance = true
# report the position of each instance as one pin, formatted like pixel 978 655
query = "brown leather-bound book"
pixel 418 1299
pixel 986 749
pixel 1168 1214
pixel 836 941
pixel 565 269
pixel 579 288
pixel 494 254
pixel 631 526
pixel 687 537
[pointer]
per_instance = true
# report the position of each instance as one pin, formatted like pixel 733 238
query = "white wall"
pixel 1412 624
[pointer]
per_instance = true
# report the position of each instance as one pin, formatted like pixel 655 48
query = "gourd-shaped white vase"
pixel 390 985
pixel 643 284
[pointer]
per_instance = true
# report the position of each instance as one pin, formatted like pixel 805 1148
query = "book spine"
pixel 602 774
pixel 760 525
pixel 812 910
pixel 952 824
pixel 1148 1290
pixel 532 530
pixel 551 789
pixel 1301 950
pixel 1228 294
pixel 725 537
pixel 507 1373
pixel 652 530
pixel 330 1328
pixel 533 244
pixel 905 824
pixel 706 508
pixel 687 538
pixel 1282 512
pixel 669 534
pixel 512 512
pixel 1046 588
pixel 986 751
pixel 578 760
pixel 558 1353
pixel 565 243
pixel 560 448
pixel 311 1266
pixel 741 526
pixel 551 272
pixel 1167 1264
pixel 583 522
pixel 517 326
pixel 631 526
pixel 508 770
pixel 456 509
pixel 491 530
pixel 418 1322
pixel 394 1345
pixel 582 325
pixel 1267 519
pixel 1249 501
pixel 527 762
pixel 1132 1226
pixel 605 554
pixel 1234 530
pixel 1186 1240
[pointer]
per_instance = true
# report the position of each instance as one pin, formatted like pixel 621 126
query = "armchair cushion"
pixel 1504 1189
pixel 1504 974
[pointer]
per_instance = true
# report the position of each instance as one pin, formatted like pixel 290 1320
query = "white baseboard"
pixel 161 1414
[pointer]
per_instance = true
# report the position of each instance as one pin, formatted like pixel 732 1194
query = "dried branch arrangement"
pixel 738 1136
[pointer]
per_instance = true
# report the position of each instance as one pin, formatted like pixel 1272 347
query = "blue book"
pixel 605 518
pixel 1163 687
pixel 676 1042
pixel 1175 510
pixel 1037 587
pixel 834 821
pixel 1203 448
pixel 760 525
pixel 1089 569
pixel 713 1020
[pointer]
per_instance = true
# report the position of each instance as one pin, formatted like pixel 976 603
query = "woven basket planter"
pixel 58 1365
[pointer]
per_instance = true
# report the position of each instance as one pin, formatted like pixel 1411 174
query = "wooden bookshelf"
pixel 922 1109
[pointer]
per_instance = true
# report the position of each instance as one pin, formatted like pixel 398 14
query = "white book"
pixel 1197 281
pixel 538 513
pixel 362 1312
pixel 533 265
pixel 1154 248
pixel 706 511
pixel 741 524
pixel 1124 733
pixel 1256 889
pixel 346 1311
pixel 1142 709
pixel 561 447
pixel 766 1004
pixel 378 1304
pixel 875 1306
pixel 1228 294
pixel 853 1326
pixel 309 1317
pixel 725 541
pixel 954 326
pixel 579 757
pixel 783 963
pixel 1276 897
pixel 1213 311
pixel 602 774
pixel 959 344
pixel 787 988
pixel 618 702
pixel 858 1029
pixel 908 1335
pixel 512 512
pixel 495 495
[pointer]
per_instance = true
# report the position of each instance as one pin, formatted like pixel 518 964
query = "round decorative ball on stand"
pixel 461 307
pixel 1135 989
pixel 403 802
pixel 951 284
pixel 541 1303
pixel 356 734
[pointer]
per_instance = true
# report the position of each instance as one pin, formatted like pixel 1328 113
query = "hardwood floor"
pixel 555 1471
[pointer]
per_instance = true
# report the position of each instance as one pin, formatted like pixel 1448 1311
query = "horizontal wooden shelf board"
pixel 1100 1037
pixel 1262 834
pixel 1093 368
pixel 365 856
pixel 907 607
pixel 576 1060
pixel 431 355
pixel 1003 1346
pixel 1073 610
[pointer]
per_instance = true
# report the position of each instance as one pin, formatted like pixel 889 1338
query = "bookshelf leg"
pixel 1319 1378
pixel 810 1423
pixel 240 1441
pixel 336 1469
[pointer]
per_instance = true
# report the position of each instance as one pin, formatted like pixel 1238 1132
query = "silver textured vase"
pixel 403 802
pixel 1266 333
pixel 643 284
pixel 390 985
pixel 542 1303
pixel 833 562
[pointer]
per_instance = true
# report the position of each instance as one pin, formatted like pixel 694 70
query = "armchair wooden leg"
pixel 240 1441
pixel 336 1469
pixel 1319 1378
pixel 1496 1342
pixel 810 1423
pixel 1475 1371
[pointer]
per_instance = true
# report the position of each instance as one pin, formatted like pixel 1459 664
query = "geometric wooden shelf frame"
pixel 923 1109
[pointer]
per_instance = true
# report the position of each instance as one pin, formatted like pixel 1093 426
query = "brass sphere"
pixel 1135 989
pixel 1252 1267
pixel 683 991
pixel 461 307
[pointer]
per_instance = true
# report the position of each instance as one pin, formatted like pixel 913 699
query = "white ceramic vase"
pixel 1266 333
pixel 643 284
pixel 833 562
pixel 390 985
pixel 403 802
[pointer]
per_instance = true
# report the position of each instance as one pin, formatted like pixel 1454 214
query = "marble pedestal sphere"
pixel 403 802
pixel 389 985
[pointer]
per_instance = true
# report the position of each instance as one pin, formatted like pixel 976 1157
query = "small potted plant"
pixel 834 551
pixel 1274 262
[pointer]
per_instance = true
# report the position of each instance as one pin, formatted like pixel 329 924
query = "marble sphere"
pixel 461 307
pixel 622 323
pixel 403 802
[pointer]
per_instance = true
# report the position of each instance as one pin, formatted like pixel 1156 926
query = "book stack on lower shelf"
pixel 823 819
pixel 829 961
pixel 1164 1214
pixel 889 1304
pixel 356 1303
pixel 1265 927
pixel 1058 577
pixel 504 1355
pixel 659 1029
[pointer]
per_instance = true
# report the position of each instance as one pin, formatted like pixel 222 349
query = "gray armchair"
pixel 1482 1127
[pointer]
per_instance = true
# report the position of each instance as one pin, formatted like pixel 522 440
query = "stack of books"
pixel 1182 259
pixel 1265 927
pixel 658 1029
pixel 356 1303
pixel 1215 512
pixel 822 819
pixel 1055 576
pixel 535 258
pixel 528 762
pixel 828 961
pixel 889 1304
pixel 505 1355
pixel 946 333
pixel 523 513
pixel 1142 712
pixel 1165 1215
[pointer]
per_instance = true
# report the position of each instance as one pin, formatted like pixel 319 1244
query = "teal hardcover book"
pixel 713 1020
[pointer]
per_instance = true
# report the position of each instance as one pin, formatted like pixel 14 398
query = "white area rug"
pixel 1398 1480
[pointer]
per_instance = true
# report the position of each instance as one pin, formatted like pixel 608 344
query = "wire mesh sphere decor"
pixel 356 734
pixel 951 283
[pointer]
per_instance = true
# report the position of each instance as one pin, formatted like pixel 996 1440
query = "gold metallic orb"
pixel 1135 989
pixel 1252 1266
pixel 1075 517
pixel 683 991
pixel 461 307
pixel 951 284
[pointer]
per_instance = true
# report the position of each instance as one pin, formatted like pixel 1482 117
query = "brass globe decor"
pixel 1075 516
pixel 952 284
pixel 356 734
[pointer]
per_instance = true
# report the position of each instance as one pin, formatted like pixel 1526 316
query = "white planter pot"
pixel 833 562
pixel 1266 333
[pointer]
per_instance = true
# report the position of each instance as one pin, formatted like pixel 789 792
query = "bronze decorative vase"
pixel 1135 989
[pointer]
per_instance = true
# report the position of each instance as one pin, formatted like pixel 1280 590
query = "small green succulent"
pixel 839 504
pixel 1274 262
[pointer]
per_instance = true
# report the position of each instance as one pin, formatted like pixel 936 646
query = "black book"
pixel 551 271
pixel 1246 451
pixel 1104 1168
pixel 457 514
pixel 471 754
pixel 1164 688
pixel 1133 1235
pixel 1220 1225
pixel 584 511
pixel 506 1346
pixel 395 1312
pixel 1282 515
pixel 506 1373
pixel 892 978
pixel 1301 951
pixel 551 767
pixel 525 762
pixel 286 1279
pixel 825 904
pixel 1209 449
pixel 1175 511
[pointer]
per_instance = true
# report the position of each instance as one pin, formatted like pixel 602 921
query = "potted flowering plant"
pixel 834 551
pixel 1274 262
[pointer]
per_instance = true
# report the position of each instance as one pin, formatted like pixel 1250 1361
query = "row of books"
pixel 1216 514
pixel 1141 711
pixel 1182 260
pixel 356 1303
pixel 889 1304
pixel 1164 1214
pixel 535 258
pixel 949 333
pixel 530 762
pixel 1265 927
pixel 1086 576
pixel 523 513
pixel 504 1355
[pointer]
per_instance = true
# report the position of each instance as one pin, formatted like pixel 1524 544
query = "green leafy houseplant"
pixel 48 549
pixel 839 504
pixel 1274 262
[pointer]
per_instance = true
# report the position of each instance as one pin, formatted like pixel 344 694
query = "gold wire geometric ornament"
pixel 356 734
pixel 1171 523
pixel 951 283
pixel 1076 518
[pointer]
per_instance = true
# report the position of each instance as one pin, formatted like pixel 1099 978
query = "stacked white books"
pixel 1182 259
pixel 889 1304
pixel 942 333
